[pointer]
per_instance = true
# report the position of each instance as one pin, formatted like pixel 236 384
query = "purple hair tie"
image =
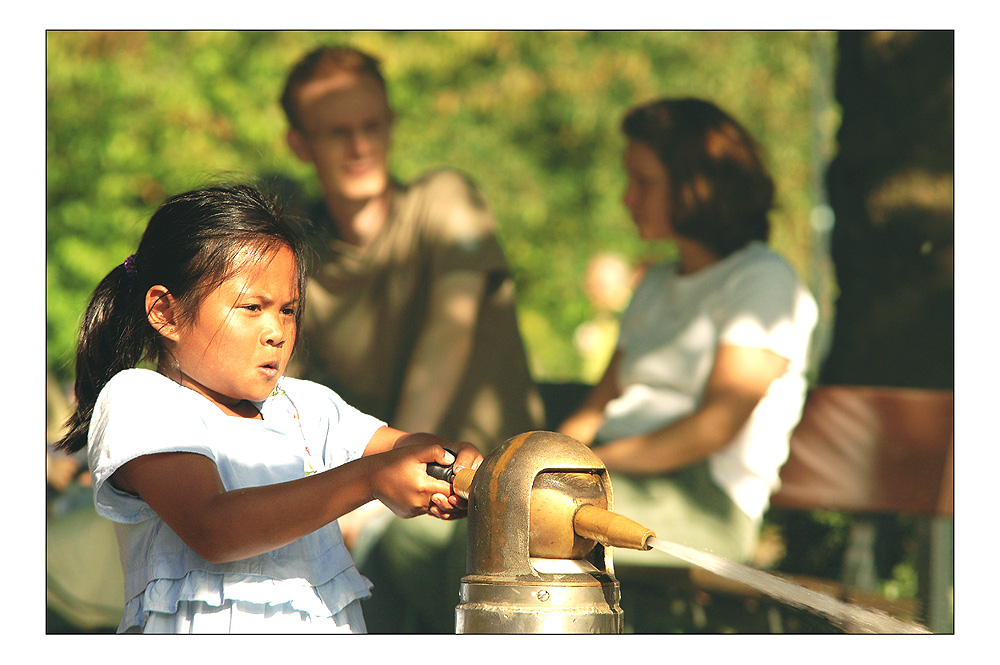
pixel 130 266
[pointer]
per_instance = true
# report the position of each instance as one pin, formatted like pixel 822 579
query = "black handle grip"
pixel 442 472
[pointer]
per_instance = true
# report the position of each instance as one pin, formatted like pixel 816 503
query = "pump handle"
pixel 461 482
pixel 440 471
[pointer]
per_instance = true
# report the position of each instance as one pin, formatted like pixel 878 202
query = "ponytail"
pixel 190 244
pixel 114 336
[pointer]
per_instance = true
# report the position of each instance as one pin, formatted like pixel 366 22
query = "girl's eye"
pixel 289 311
pixel 252 308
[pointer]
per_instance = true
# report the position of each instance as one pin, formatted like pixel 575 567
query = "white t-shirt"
pixel 306 428
pixel 669 337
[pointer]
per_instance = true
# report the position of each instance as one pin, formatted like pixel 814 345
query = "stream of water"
pixel 851 618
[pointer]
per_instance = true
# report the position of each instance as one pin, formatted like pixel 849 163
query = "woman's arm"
pixel 583 424
pixel 186 491
pixel 740 378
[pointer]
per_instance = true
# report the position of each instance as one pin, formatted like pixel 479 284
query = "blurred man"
pixel 410 317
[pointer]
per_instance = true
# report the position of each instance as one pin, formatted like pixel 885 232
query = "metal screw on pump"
pixel 541 537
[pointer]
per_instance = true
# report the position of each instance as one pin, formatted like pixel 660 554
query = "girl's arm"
pixel 186 491
pixel 583 424
pixel 740 378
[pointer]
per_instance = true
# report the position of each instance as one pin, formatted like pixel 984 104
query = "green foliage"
pixel 816 541
pixel 533 117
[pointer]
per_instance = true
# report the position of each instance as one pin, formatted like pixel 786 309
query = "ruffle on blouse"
pixel 215 589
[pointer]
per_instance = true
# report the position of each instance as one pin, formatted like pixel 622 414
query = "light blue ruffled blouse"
pixel 306 428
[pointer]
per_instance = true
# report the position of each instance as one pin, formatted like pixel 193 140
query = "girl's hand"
pixel 399 479
pixel 444 503
pixel 452 506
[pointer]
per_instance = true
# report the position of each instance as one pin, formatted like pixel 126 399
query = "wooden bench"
pixel 871 451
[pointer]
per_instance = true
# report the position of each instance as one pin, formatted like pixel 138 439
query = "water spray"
pixel 541 536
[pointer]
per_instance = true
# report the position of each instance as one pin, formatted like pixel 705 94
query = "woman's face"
pixel 647 195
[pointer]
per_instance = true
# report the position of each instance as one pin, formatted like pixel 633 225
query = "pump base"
pixel 586 604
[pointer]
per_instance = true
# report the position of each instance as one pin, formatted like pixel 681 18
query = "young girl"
pixel 224 478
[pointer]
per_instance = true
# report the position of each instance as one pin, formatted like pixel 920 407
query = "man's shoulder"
pixel 445 181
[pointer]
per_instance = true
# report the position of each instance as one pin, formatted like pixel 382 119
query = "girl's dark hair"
pixel 189 246
pixel 721 192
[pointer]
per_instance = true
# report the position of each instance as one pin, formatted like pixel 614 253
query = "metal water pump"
pixel 540 540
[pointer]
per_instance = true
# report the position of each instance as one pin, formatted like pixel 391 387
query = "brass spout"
pixel 610 528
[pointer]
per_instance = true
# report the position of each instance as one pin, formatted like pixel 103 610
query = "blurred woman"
pixel 693 414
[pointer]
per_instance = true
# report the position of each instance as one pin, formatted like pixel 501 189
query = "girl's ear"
pixel 161 311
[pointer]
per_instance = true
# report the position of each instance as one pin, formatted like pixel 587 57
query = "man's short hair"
pixel 323 62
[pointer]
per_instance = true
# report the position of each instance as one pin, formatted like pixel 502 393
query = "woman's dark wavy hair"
pixel 721 192
pixel 189 246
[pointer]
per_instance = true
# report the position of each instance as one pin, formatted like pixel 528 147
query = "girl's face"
pixel 647 195
pixel 240 339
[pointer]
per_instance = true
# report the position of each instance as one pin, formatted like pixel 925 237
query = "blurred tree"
pixel 891 188
pixel 532 116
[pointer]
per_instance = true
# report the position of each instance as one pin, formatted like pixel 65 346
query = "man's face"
pixel 346 124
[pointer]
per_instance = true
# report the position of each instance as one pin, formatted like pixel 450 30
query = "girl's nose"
pixel 274 334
